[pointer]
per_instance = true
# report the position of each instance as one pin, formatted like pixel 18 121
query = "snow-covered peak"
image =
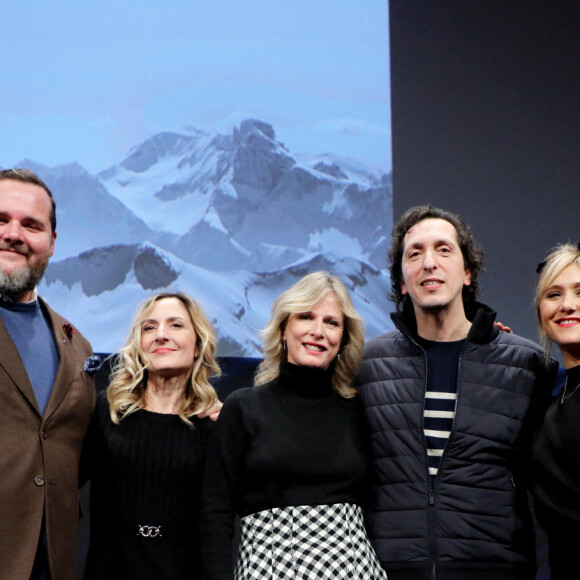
pixel 253 126
pixel 232 218
pixel 156 148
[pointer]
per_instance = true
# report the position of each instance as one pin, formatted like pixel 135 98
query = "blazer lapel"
pixel 69 360
pixel 13 366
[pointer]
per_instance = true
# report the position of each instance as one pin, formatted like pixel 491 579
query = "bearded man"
pixel 46 399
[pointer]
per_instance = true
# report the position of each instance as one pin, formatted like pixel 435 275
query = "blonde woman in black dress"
pixel 556 464
pixel 147 445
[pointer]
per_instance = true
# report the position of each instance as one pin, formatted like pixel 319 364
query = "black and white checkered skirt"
pixel 307 543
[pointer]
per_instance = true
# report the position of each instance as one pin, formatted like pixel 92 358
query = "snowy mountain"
pixel 242 191
pixel 232 219
pixel 88 216
pixel 100 288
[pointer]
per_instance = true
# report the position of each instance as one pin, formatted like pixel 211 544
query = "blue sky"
pixel 86 81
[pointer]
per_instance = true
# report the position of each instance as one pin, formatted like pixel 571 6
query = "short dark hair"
pixel 27 176
pixel 471 251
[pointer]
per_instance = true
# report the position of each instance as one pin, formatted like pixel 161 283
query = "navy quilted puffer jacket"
pixel 475 522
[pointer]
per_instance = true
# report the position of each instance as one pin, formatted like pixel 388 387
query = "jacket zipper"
pixel 433 487
pixel 452 431
pixel 430 488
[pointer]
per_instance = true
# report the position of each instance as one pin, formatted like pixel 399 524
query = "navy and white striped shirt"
pixel 440 397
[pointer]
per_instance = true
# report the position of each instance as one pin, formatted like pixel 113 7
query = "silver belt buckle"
pixel 149 531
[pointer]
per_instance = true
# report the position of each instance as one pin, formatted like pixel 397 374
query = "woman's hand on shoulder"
pixel 212 413
pixel 503 327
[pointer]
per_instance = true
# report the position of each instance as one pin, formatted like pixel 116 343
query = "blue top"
pixel 33 338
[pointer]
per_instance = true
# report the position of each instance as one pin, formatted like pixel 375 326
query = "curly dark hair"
pixel 472 253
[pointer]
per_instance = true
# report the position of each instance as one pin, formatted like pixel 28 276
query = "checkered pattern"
pixel 326 542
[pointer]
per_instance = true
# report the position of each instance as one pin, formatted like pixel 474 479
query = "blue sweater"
pixel 34 341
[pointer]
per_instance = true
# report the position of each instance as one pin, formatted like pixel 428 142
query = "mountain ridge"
pixel 185 208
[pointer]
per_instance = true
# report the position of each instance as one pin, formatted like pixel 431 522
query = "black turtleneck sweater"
pixel 291 442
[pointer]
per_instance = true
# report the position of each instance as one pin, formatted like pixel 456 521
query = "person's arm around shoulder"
pixel 214 412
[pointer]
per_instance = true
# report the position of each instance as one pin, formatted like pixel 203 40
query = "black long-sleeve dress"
pixel 556 483
pixel 146 476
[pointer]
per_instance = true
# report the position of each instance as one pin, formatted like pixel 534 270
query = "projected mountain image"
pixel 232 219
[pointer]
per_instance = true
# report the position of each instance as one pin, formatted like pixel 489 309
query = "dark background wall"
pixel 486 122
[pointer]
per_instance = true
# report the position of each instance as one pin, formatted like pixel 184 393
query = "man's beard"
pixel 24 279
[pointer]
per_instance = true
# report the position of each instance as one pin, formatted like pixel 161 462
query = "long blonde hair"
pixel 126 392
pixel 557 261
pixel 302 297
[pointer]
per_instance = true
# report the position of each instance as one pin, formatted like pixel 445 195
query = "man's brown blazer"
pixel 39 456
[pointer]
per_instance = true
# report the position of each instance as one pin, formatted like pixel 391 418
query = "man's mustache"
pixel 19 247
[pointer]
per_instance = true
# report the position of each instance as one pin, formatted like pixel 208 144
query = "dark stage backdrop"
pixel 486 122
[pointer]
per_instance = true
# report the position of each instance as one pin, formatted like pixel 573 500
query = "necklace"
pixel 567 396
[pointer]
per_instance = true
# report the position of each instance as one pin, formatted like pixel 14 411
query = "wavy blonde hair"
pixel 557 261
pixel 126 392
pixel 303 297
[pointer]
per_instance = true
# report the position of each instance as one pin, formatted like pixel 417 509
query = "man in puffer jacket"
pixel 450 401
